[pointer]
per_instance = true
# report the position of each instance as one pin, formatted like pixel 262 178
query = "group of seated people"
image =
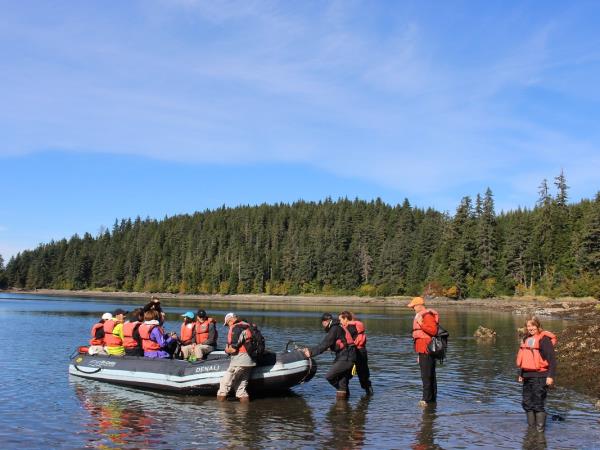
pixel 141 333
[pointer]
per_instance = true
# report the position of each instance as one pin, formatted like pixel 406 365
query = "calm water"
pixel 478 403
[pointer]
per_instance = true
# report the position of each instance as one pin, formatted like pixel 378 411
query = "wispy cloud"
pixel 378 93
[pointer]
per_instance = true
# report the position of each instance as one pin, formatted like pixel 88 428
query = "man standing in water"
pixel 425 325
pixel 338 340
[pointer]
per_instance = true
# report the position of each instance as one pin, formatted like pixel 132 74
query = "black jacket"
pixel 335 332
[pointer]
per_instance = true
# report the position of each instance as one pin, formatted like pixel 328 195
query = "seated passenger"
pixel 154 304
pixel 155 342
pixel 132 340
pixel 206 334
pixel 113 333
pixel 186 334
pixel 97 334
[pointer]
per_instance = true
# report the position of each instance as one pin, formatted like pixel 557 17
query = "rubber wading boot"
pixel 531 418
pixel 341 395
pixel 221 398
pixel 540 421
pixel 369 390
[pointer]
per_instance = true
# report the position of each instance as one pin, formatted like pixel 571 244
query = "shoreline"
pixel 567 307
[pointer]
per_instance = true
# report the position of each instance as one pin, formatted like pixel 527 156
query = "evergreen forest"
pixel 357 247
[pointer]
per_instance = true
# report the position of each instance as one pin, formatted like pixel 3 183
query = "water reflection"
pixel 112 422
pixel 346 424
pixel 267 422
pixel 426 433
pixel 533 440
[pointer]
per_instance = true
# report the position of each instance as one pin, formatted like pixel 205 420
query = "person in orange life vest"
pixel 113 333
pixel 155 342
pixel 357 330
pixel 537 363
pixel 187 334
pixel 132 341
pixel 97 336
pixel 206 334
pixel 425 325
pixel 339 340
pixel 241 364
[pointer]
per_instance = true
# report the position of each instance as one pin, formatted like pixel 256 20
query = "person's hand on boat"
pixel 306 352
pixel 549 381
pixel 520 379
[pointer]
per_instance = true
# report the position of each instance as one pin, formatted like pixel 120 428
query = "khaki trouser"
pixel 187 350
pixel 235 377
pixel 202 350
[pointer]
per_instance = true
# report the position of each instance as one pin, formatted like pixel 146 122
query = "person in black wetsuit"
pixel 340 341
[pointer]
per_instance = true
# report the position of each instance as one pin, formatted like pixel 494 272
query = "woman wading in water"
pixel 537 362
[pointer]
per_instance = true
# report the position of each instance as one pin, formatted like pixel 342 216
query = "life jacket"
pixel 360 338
pixel 202 331
pixel 245 329
pixel 186 333
pixel 348 340
pixel 96 340
pixel 529 358
pixel 148 344
pixel 110 339
pixel 418 332
pixel 128 330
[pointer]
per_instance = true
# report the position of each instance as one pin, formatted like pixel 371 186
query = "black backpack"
pixel 439 344
pixel 255 346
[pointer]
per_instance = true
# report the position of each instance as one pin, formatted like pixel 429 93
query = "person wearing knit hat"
pixel 425 325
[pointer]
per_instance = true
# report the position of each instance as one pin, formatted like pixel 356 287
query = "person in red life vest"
pixel 155 342
pixel 187 334
pixel 206 334
pixel 339 340
pixel 425 325
pixel 113 333
pixel 357 330
pixel 132 341
pixel 97 336
pixel 537 363
pixel 241 364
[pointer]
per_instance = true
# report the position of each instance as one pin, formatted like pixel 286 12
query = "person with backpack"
pixel 239 342
pixel 425 326
pixel 537 363
pixel 339 340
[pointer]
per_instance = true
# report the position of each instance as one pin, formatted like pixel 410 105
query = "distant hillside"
pixel 367 248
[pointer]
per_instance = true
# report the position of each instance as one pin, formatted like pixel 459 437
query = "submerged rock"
pixel 484 333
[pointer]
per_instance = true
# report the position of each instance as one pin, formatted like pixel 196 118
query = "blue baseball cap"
pixel 189 315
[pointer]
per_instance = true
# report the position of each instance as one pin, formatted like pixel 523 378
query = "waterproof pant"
pixel 427 365
pixel 534 394
pixel 362 368
pixel 339 374
pixel 237 378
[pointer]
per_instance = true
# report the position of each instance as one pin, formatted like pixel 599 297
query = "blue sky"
pixel 159 107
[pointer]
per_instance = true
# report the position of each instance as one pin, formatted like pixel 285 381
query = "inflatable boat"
pixel 274 372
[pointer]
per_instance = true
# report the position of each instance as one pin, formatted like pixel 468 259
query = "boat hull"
pixel 274 372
